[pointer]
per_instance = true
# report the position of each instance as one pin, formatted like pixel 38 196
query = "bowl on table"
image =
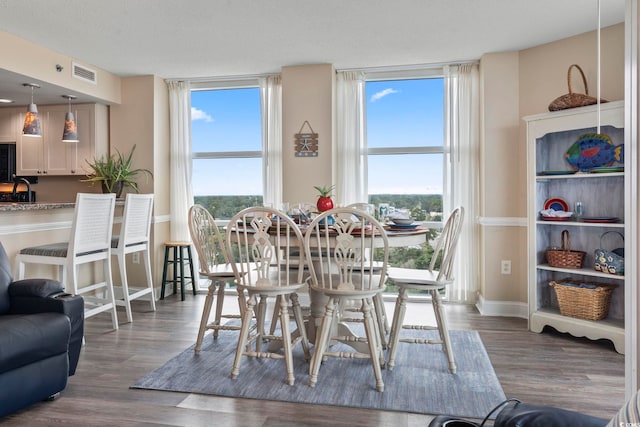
pixel 402 221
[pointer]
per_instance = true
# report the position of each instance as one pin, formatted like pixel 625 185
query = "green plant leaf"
pixel 114 169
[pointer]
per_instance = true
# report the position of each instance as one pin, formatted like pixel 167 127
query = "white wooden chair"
pixel 349 264
pixel 216 267
pixel 430 280
pixel 265 244
pixel 90 242
pixel 134 237
pixel 381 312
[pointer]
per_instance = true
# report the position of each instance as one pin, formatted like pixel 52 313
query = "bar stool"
pixel 178 261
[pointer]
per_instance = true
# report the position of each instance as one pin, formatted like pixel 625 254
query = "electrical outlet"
pixel 505 266
pixel 135 257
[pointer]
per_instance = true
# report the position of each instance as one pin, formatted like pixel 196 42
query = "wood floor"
pixel 548 368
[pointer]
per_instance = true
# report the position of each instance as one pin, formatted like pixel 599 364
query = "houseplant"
pixel 115 172
pixel 324 202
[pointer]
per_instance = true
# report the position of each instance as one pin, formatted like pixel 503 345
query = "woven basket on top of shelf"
pixel 583 303
pixel 565 257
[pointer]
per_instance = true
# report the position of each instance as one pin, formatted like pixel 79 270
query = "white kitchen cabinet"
pixel 549 136
pixel 48 155
pixel 10 127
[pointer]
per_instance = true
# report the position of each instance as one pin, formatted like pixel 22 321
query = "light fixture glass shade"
pixel 31 122
pixel 70 133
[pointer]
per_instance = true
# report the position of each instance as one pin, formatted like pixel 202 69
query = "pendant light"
pixel 70 133
pixel 31 122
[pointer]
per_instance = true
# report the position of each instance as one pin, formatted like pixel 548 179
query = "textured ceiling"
pixel 210 38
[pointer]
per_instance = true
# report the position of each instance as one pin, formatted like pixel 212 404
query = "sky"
pixel 400 113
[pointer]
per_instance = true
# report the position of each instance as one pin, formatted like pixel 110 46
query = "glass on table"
pixel 284 207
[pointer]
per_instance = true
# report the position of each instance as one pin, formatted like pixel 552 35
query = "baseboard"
pixel 502 308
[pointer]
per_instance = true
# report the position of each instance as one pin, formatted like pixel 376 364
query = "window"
pixel 406 156
pixel 226 135
pixel 406 150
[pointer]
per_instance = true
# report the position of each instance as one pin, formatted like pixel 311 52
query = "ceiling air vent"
pixel 83 73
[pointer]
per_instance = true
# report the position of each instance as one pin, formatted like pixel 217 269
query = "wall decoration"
pixel 306 143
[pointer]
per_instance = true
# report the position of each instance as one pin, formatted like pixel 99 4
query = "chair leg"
pixel 242 301
pixel 146 258
pixel 62 274
pixel 299 318
pixel 244 334
pixel 194 284
pixel 260 320
pixel 178 255
pixel 109 282
pixel 125 286
pixel 381 317
pixel 274 320
pixel 206 312
pixel 219 305
pixel 372 338
pixel 283 309
pixel 322 340
pixel 20 270
pixel 70 273
pixel 444 330
pixel 164 271
pixel 396 326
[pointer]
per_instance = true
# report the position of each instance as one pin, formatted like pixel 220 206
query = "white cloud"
pixel 382 94
pixel 200 115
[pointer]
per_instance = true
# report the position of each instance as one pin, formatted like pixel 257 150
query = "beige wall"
pixel 307 94
pixel 142 119
pixel 543 69
pixel 502 180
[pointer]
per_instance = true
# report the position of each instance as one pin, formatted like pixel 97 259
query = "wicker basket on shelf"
pixel 582 302
pixel 565 257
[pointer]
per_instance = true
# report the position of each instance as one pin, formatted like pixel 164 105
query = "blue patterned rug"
pixel 419 383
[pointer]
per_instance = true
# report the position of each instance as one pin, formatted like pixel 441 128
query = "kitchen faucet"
pixel 20 180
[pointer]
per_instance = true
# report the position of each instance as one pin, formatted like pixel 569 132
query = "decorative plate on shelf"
pixel 557 172
pixel 600 219
pixel 557 204
pixel 607 169
pixel 555 218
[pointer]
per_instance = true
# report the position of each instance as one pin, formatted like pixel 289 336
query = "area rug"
pixel 420 381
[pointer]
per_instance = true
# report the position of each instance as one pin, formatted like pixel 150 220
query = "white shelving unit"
pixel 549 136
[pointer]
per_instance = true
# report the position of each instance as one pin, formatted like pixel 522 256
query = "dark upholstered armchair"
pixel 41 329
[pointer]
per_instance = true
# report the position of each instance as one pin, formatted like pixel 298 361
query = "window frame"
pixel 226 84
pixel 229 84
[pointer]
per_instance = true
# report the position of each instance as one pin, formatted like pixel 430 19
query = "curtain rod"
pixel 365 69
pixel 220 78
pixel 408 67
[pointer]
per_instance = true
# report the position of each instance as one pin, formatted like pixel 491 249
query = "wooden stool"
pixel 178 262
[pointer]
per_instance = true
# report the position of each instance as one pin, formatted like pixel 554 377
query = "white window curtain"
pixel 462 100
pixel 351 151
pixel 271 104
pixel 180 190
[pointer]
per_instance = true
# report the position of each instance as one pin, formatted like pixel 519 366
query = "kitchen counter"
pixel 41 206
pixel 35 206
